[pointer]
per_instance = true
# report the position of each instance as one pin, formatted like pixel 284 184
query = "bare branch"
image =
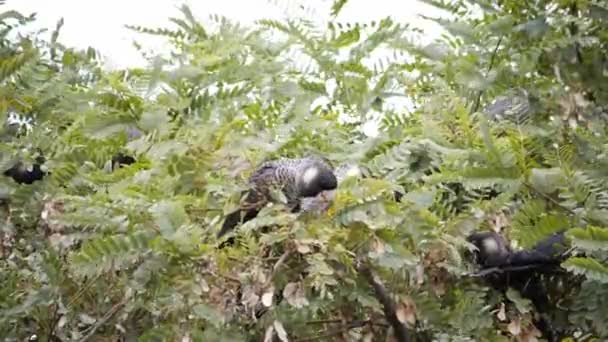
pixel 388 305
pixel 334 332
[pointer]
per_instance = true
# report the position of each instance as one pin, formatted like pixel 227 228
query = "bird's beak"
pixel 324 196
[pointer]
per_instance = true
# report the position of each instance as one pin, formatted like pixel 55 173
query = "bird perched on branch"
pixel 295 178
pixel 494 251
pixel 515 105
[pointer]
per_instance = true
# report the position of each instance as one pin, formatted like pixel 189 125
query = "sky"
pixel 100 24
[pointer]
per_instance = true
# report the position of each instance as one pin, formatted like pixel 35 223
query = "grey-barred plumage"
pixel 296 178
pixel 515 105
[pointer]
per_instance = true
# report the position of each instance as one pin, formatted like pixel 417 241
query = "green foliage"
pixel 507 132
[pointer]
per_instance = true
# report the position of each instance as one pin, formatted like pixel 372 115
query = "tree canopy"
pixel 507 133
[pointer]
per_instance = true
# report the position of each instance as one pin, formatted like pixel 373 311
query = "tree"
pixel 131 252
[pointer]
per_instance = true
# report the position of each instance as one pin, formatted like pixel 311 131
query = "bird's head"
pixel 492 249
pixel 314 178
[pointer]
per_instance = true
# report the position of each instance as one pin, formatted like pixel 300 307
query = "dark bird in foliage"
pixel 22 175
pixel 121 159
pixel 515 105
pixel 296 178
pixel 494 251
pixel 534 272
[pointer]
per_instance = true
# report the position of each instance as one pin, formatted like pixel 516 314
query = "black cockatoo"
pixel 22 175
pixel 494 251
pixel 296 178
pixel 515 105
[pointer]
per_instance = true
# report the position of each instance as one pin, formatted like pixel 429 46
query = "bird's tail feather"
pixel 230 222
pixel 234 218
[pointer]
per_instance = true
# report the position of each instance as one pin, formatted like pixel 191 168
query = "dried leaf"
pixel 514 327
pixel 302 248
pixel 249 297
pixel 406 311
pixel 419 274
pixel 204 285
pixel 499 221
pixel 502 315
pixel 531 334
pixel 278 326
pixel 86 319
pixel 401 313
pixel 269 333
pixel 294 294
pixel 368 337
pixel 378 246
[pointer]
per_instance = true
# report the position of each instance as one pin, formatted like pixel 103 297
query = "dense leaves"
pixel 508 133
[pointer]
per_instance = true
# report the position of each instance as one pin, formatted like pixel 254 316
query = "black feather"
pixel 20 174
pixel 120 159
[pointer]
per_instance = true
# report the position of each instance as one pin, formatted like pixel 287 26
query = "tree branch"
pixel 490 66
pixel 104 319
pixel 388 305
pixel 334 332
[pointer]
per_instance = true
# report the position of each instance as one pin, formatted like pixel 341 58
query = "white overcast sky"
pixel 100 23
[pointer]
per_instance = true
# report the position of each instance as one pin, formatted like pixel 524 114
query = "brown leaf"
pixel 502 315
pixel 378 246
pixel 436 255
pixel 51 211
pixel 368 337
pixel 269 333
pixel 59 241
pixel 249 298
pixel 406 311
pixel 438 279
pixel 302 248
pixel 530 334
pixel 419 274
pixel 514 327
pixel 295 295
pixel 499 221
pixel 278 326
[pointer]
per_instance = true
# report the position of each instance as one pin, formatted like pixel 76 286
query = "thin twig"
pixel 549 198
pixel 334 332
pixel 491 270
pixel 223 276
pixel 104 319
pixel 82 290
pixel 388 306
pixel 559 205
pixel 54 321
pixel 339 321
pixel 325 321
pixel 260 308
pixel 490 66
pixel 276 267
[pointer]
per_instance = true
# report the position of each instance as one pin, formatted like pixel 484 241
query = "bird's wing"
pixel 279 174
